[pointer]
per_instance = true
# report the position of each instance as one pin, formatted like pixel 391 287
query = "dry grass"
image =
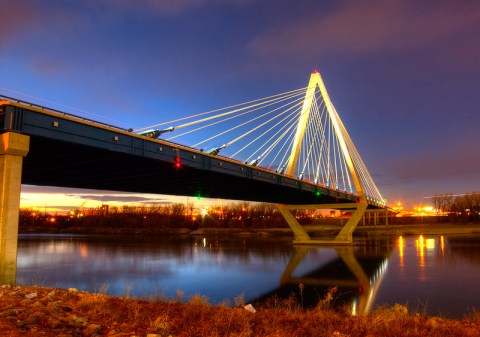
pixel 84 314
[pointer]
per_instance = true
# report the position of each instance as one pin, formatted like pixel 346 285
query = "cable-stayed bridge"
pixel 297 133
pixel 290 149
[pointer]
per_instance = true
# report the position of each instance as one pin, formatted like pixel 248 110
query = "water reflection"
pixel 401 247
pixel 429 274
pixel 219 268
pixel 436 274
pixel 356 272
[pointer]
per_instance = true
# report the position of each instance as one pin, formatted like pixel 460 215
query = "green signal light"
pixel 199 197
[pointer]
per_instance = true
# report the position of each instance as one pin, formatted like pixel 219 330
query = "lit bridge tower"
pixel 359 174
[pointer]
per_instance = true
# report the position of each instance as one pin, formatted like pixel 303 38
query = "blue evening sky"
pixel 404 75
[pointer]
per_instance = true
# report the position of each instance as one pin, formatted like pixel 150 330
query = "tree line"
pixel 465 206
pixel 177 215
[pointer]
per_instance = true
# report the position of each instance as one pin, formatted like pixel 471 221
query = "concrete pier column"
pixel 13 147
pixel 299 233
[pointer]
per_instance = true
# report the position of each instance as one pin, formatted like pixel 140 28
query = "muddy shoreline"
pixel 312 230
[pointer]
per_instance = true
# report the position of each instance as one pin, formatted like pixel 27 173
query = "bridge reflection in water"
pixel 356 273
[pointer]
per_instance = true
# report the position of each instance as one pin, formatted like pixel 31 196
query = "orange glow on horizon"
pixel 70 201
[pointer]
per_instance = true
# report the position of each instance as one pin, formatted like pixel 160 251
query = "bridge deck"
pixel 69 151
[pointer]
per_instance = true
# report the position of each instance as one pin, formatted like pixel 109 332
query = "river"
pixel 439 275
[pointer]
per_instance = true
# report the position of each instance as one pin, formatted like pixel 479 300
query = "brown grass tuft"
pixel 83 314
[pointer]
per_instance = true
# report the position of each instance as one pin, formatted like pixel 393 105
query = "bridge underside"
pixel 65 164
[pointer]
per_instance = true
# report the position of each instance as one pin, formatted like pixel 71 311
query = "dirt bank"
pixel 35 311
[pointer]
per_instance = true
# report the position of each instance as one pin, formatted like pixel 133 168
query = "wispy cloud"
pixel 365 27
pixel 45 66
pixel 17 16
pixel 170 7
pixel 456 162
pixel 122 198
pixel 60 199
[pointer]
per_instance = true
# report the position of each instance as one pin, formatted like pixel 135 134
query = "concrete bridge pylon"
pixel 358 208
pixel 13 147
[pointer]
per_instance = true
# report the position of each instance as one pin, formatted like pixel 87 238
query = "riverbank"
pixel 360 231
pixel 37 311
pixel 324 230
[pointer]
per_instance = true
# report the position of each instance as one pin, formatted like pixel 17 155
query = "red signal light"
pixel 178 163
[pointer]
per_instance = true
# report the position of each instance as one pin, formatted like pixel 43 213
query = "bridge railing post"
pixel 13 147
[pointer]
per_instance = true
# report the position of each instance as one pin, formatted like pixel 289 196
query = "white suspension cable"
pixel 216 110
pixel 236 127
pixel 247 122
pixel 289 144
pixel 221 121
pixel 234 111
pixel 261 157
pixel 275 143
pixel 321 151
pixel 261 135
pixel 341 164
pixel 256 128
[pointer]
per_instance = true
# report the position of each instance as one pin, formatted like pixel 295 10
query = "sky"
pixel 404 75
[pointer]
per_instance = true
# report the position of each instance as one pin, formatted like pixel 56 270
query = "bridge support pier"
pixel 299 234
pixel 13 147
pixel 344 237
pixel 346 232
